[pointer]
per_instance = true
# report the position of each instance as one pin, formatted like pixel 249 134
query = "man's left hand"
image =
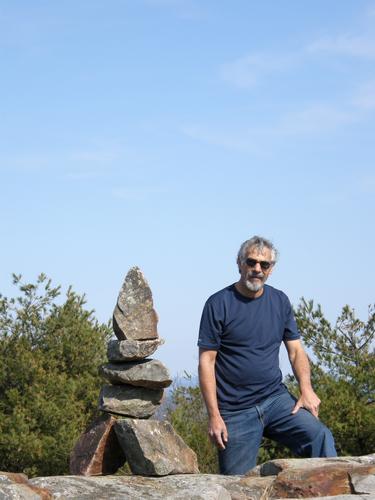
pixel 310 401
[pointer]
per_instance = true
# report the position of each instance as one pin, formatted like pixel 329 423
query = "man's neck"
pixel 243 290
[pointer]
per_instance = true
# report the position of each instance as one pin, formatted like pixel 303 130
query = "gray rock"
pixel 130 401
pixel 363 484
pixel 146 373
pixel 212 492
pixel 153 448
pixel 129 350
pixel 134 316
pixel 176 487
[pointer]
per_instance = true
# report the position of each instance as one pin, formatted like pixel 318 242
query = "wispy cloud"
pixel 345 45
pixel 31 161
pixel 370 11
pixel 96 156
pixel 239 140
pixel 365 96
pixel 78 164
pixel 138 193
pixel 188 9
pixel 316 118
pixel 83 176
pixel 246 71
pixel 253 68
pixel 311 119
pixel 366 184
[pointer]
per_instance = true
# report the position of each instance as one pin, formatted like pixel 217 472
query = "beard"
pixel 254 286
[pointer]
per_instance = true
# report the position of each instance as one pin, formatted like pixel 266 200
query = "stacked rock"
pixel 137 383
pixel 135 390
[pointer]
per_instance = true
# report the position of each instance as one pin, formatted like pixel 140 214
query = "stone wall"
pixel 336 478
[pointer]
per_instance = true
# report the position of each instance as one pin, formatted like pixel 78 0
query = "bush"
pixel 49 382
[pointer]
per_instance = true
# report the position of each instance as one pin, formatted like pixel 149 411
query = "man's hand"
pixel 217 431
pixel 301 369
pixel 310 401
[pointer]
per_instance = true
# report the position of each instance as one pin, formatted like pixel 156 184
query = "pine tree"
pixel 49 382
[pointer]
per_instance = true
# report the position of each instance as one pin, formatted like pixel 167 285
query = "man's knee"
pixel 321 444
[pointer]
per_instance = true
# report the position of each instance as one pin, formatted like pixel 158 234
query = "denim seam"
pixel 260 415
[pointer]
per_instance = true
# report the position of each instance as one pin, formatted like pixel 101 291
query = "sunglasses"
pixel 264 264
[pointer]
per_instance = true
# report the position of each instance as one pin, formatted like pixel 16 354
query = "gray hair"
pixel 260 244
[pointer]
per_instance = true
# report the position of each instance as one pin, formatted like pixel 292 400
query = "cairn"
pixel 135 390
pixel 137 383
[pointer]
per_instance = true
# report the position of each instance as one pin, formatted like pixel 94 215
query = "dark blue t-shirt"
pixel 247 333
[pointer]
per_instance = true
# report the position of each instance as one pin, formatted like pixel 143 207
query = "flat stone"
pixel 363 481
pixel 134 316
pixel 274 467
pixel 304 483
pixel 326 480
pixel 146 373
pixel 153 448
pixel 97 451
pixel 176 487
pixel 130 401
pixel 129 350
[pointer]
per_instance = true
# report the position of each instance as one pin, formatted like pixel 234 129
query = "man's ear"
pixel 239 265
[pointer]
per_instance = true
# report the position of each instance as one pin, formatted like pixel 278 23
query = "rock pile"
pixel 135 390
pixel 137 383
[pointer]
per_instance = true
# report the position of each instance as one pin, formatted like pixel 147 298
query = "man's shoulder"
pixel 221 295
pixel 277 294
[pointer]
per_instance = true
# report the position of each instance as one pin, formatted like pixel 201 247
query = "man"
pixel 240 334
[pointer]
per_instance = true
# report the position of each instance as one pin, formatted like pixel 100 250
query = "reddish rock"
pixel 13 477
pixel 324 480
pixel 97 451
pixel 317 482
pixel 16 485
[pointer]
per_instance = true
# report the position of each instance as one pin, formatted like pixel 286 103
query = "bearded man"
pixel 240 334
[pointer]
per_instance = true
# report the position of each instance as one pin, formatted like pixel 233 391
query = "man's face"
pixel 253 276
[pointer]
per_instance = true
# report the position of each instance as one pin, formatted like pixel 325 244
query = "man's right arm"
pixel 217 429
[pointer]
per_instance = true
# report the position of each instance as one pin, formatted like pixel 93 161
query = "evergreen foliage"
pixel 49 382
pixel 343 374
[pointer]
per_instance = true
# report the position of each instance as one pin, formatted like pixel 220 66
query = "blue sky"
pixel 163 133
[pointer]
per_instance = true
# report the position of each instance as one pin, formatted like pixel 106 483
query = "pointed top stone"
pixel 134 315
pixel 134 281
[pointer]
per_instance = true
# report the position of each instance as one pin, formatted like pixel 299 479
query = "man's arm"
pixel 216 429
pixel 301 369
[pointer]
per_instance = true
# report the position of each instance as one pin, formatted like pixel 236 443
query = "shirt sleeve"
pixel 290 331
pixel 210 328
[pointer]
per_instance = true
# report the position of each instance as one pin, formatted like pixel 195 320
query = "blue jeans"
pixel 303 433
